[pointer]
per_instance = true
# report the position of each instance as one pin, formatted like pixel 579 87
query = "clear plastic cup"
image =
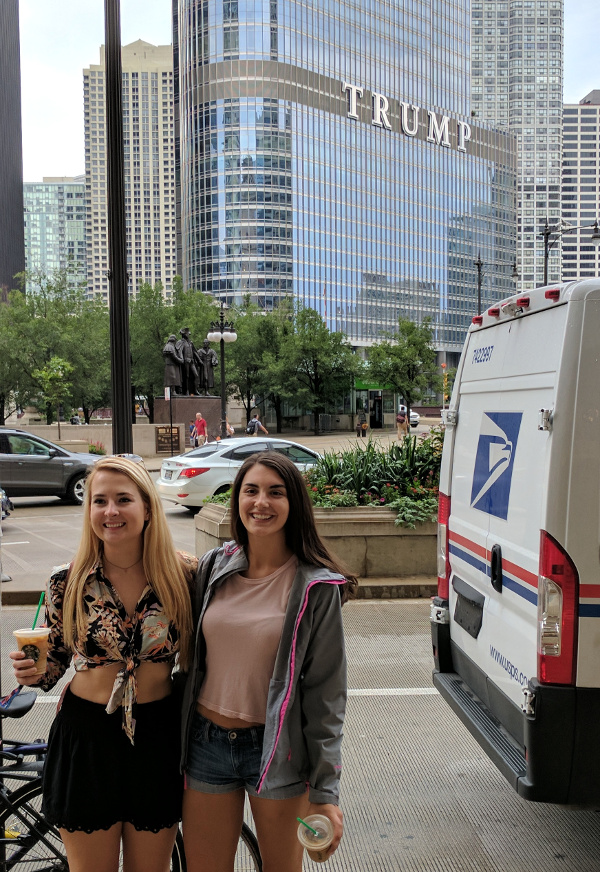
pixel 316 845
pixel 34 644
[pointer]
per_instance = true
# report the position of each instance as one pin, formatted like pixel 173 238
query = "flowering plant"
pixel 96 448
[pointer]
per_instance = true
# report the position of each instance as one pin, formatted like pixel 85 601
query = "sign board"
pixel 167 440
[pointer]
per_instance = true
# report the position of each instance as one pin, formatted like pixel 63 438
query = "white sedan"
pixel 189 478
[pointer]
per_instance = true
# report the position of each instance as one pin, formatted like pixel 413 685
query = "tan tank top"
pixel 242 628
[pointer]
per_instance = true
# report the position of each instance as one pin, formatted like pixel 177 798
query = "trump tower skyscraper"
pixel 327 151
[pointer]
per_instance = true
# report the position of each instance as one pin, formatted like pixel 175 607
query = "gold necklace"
pixel 124 568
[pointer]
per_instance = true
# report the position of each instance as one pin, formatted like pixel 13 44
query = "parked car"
pixel 414 416
pixel 188 479
pixel 33 467
pixel 5 503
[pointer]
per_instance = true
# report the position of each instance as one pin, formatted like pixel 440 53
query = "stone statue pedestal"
pixel 184 411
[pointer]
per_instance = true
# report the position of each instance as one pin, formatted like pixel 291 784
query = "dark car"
pixel 33 467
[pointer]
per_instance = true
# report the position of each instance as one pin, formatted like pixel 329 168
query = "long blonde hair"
pixel 164 570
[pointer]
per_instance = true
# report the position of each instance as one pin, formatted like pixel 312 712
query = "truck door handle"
pixel 496 568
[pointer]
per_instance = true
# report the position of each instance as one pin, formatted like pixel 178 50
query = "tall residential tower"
pixel 327 152
pixel 516 82
pixel 55 227
pixel 580 192
pixel 149 172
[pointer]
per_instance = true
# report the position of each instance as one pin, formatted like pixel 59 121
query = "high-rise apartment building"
pixel 55 217
pixel 149 173
pixel 580 192
pixel 516 83
pixel 12 246
pixel 327 152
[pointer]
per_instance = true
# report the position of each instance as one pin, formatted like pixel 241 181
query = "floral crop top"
pixel 112 637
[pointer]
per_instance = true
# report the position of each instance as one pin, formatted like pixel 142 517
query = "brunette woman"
pixel 120 613
pixel 265 698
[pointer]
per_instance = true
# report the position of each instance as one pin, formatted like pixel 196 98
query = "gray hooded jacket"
pixel 307 692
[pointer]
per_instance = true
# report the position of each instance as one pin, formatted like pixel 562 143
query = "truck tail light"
pixel 553 294
pixel 443 553
pixel 192 471
pixel 494 311
pixel 477 319
pixel 558 600
pixel 523 302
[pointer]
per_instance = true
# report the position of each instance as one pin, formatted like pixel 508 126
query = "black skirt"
pixel 94 777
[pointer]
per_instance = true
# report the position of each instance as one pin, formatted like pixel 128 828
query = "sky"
pixel 59 38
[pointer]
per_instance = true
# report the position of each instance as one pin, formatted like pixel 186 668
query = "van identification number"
pixel 482 355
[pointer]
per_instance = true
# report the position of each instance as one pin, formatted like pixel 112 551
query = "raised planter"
pixel 365 539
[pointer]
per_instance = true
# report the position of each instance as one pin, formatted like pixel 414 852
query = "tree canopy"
pixel 406 362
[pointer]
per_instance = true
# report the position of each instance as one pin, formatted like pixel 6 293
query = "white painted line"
pixel 25 542
pixel 393 691
pixel 359 691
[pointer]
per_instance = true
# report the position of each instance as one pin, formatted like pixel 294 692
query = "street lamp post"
pixel 222 331
pixel 479 264
pixel 120 356
pixel 557 230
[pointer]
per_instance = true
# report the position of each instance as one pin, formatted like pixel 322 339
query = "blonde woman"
pixel 121 613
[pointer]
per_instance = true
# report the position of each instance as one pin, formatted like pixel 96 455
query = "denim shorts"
pixel 221 760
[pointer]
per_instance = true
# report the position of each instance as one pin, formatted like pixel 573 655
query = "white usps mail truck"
pixel 516 622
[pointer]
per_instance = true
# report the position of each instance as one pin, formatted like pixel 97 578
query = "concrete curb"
pixel 415 587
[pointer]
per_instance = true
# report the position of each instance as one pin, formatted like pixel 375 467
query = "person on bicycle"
pixel 265 698
pixel 120 613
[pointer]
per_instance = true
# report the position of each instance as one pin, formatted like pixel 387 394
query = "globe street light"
pixel 557 230
pixel 222 331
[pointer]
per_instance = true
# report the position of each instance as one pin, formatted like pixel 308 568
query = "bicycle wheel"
pixel 248 857
pixel 31 845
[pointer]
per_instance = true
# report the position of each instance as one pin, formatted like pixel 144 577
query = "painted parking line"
pixel 393 691
pixel 359 691
pixel 24 542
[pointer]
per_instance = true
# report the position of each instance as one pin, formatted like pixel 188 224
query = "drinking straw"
pixel 308 827
pixel 38 610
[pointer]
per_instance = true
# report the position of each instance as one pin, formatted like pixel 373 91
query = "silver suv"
pixel 33 467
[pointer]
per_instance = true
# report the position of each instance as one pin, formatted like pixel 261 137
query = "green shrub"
pixel 96 448
pixel 403 476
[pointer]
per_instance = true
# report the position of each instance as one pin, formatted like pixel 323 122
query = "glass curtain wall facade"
pixel 12 243
pixel 55 238
pixel 326 153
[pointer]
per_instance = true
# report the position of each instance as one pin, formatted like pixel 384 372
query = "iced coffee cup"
pixel 318 838
pixel 34 645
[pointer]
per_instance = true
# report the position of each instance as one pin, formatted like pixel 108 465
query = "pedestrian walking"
pixel 120 613
pixel 402 424
pixel 200 430
pixel 265 698
pixel 254 426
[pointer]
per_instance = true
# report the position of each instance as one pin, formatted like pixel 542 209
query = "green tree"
pixel 317 366
pixel 406 361
pixel 151 321
pixel 55 387
pixel 243 357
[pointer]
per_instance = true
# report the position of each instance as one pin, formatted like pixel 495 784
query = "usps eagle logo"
pixel 494 462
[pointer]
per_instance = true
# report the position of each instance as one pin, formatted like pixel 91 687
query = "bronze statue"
pixel 207 360
pixel 173 364
pixel 189 373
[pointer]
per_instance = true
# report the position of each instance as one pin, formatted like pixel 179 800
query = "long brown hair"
pixel 301 534
pixel 164 570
